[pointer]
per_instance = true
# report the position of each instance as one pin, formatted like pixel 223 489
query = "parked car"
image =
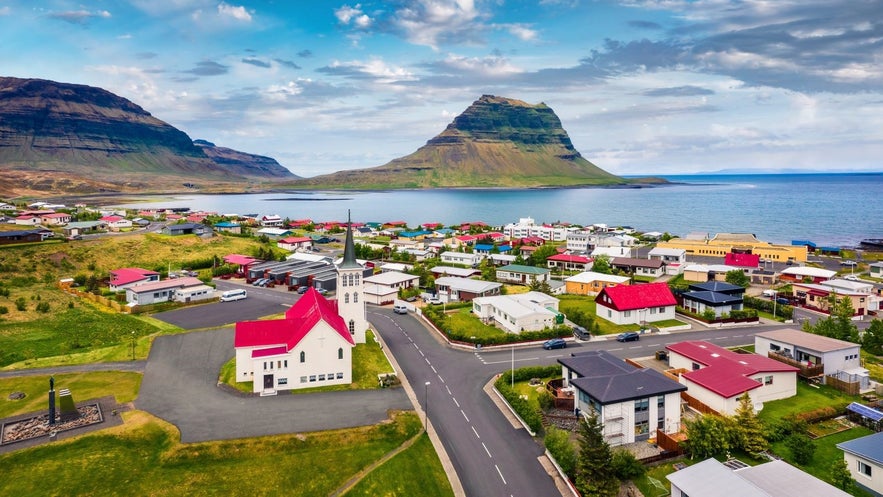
pixel 302 289
pixel 783 301
pixel 258 281
pixel 434 301
pixel 848 263
pixel 400 309
pixel 322 291
pixel 581 333
pixel 412 298
pixel 629 336
pixel 555 343
pixel 851 277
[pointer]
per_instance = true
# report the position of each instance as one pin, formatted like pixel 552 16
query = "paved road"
pixel 180 386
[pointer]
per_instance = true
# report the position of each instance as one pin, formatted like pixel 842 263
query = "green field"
pixel 408 473
pixel 808 398
pixel 83 386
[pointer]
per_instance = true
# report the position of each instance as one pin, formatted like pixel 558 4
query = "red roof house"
pixel 130 276
pixel 742 260
pixel 636 304
pixel 569 262
pixel 717 376
pixel 311 346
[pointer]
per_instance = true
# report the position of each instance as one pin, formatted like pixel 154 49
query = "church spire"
pixel 349 248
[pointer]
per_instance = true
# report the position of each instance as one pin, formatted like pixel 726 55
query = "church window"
pixel 346 298
pixel 352 327
pixel 303 356
pixel 356 280
pixel 356 297
pixel 340 353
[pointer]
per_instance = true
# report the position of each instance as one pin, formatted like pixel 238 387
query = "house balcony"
pixel 563 395
pixel 805 370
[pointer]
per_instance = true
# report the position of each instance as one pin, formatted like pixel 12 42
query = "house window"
pixel 285 363
pixel 641 405
pixel 346 298
pixel 356 280
pixel 642 427
pixel 864 468
pixel 775 347
pixel 768 380
pixel 661 310
pixel 609 313
pixel 626 314
pixel 279 364
pixel 265 365
pixel 696 366
pixel 352 327
pixel 321 377
pixel 303 356
pixel 340 353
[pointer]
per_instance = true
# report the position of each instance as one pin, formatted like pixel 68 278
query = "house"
pixel 636 304
pixel 611 252
pixel 806 273
pixel 673 259
pixel 631 403
pixel 837 358
pixel 122 278
pixel 81 227
pixel 717 377
pixel 651 268
pixel 395 266
pixel 531 311
pixel 616 241
pixel 27 220
pixel 460 258
pixel 711 478
pixel 501 259
pixel 864 458
pixel 875 270
pixel 271 221
pixel 116 223
pixel 55 219
pixel 459 272
pixel 526 227
pixel 228 227
pixel 292 243
pixel 719 296
pixel 20 236
pixel 707 272
pixel 186 229
pixel 817 296
pixel 523 275
pixel 394 280
pixel 274 233
pixel 742 260
pixel 590 283
pixel 454 289
pixel 578 241
pixel 568 262
pixel 311 346
pixel 158 291
pixel 726 243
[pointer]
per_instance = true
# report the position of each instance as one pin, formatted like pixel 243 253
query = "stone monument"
pixel 69 410
pixel 51 401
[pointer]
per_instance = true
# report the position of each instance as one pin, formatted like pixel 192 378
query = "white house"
pixel 274 233
pixel 310 347
pixel 523 275
pixel 630 403
pixel 194 293
pixel 454 289
pixel 674 259
pixel 271 220
pixel 461 258
pixel 27 220
pixel 159 291
pixel 531 311
pixel 292 243
pixel 710 478
pixel 116 223
pixel 394 280
pixel 612 252
pixel 839 358
pixel 717 376
pixel 636 304
pixel 526 227
pixel 395 266
pixel 864 458
pixel 125 277
pixel 580 241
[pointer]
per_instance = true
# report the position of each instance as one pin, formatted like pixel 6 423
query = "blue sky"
pixel 641 86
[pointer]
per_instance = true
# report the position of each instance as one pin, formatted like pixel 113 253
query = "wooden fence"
pixel 697 404
pixel 670 443
pixel 635 363
pixel 849 387
pixel 113 304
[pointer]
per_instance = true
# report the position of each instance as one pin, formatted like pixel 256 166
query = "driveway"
pixel 180 386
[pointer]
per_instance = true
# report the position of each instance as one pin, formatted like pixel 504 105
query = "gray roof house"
pixel 711 478
pixel 631 403
pixel 186 229
pixel 864 458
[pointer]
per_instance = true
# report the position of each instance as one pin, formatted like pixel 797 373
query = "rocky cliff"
pixel 88 135
pixel 496 142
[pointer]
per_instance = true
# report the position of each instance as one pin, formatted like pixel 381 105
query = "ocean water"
pixel 828 209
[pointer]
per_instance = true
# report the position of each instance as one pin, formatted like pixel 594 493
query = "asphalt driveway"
pixel 180 386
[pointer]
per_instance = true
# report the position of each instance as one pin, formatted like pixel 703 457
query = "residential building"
pixel 81 227
pixel 20 236
pixel 725 243
pixel 817 296
pixel 636 304
pixel 311 346
pixel 523 275
pixel 460 272
pixel 395 267
pixel 116 223
pixel 55 219
pixel 454 289
pixel 838 358
pixel 580 241
pixel 620 240
pixel 159 291
pixel 186 229
pixel 650 268
pixel 611 252
pixel 717 377
pixel 526 227
pixel 271 221
pixel 875 270
pixel 274 233
pixel 394 279
pixel 630 403
pixel 531 311
pixel 864 458
pixel 804 273
pixel 461 258
pixel 569 262
pixel 501 259
pixel 228 227
pixel 27 220
pixel 122 278
pixel 673 259
pixel 591 283
pixel 292 243
pixel 711 478
pixel 707 272
pixel 719 296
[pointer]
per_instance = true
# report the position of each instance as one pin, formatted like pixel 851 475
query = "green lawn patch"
pixel 83 386
pixel 808 398
pixel 145 457
pixel 415 471
pixel 825 455
pixel 471 326
pixel 570 303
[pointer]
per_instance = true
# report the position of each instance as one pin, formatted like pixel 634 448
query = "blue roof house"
pixel 864 457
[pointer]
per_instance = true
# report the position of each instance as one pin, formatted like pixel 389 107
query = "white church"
pixel 312 345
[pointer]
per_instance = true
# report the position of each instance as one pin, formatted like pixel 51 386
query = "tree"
pixel 738 277
pixel 840 475
pixel 626 466
pixel 540 286
pixel 707 436
pixel 801 447
pixel 750 428
pixel 839 323
pixel 558 443
pixel 872 340
pixel 539 256
pixel 601 265
pixel 594 468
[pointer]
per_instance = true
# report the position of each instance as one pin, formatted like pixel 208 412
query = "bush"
pixel 21 304
pixel 530 415
pixel 546 400
pixel 43 307
pixel 801 447
pixel 526 373
pixel 4 309
pixel 819 414
pixel 626 466
pixel 559 445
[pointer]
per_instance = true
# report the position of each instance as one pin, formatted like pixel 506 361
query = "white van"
pixel 770 293
pixel 231 295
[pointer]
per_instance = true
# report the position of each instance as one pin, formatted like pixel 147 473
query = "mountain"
pixel 80 138
pixel 496 142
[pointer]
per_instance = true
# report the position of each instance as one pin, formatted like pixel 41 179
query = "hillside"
pixel 496 142
pixel 77 138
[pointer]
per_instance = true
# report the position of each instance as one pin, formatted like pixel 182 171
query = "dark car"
pixel 783 301
pixel 581 333
pixel 629 336
pixel 555 343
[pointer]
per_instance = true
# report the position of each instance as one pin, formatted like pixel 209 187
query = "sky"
pixel 641 86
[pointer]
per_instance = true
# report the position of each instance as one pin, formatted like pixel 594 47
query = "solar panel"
pixel 865 411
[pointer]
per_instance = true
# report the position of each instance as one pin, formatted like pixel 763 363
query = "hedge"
pixel 785 311
pixel 436 316
pixel 531 415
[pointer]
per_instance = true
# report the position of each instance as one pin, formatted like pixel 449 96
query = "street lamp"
pixel 133 345
pixel 425 406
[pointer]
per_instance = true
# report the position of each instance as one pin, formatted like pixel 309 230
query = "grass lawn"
pixel 807 399
pixel 570 303
pixel 414 471
pixel 524 388
pixel 658 473
pixel 471 326
pixel 874 365
pixel 83 386
pixel 145 457
pixel 368 362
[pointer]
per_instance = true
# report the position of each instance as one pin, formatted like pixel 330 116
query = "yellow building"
pixel 723 243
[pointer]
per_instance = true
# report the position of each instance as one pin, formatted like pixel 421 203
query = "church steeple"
pixel 349 248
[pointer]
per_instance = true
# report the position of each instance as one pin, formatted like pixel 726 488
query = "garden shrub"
pixel 558 443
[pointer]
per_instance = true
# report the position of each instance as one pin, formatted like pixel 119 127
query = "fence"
pixel 113 304
pixel 668 442
pixel 849 387
pixel 805 371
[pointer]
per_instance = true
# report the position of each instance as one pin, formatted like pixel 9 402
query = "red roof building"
pixel 569 262
pixel 300 223
pixel 742 260
pixel 717 377
pixel 129 276
pixel 636 304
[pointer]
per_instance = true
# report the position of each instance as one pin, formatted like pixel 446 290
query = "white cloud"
pixel 354 15
pixel 521 32
pixel 486 66
pixel 239 13
pixel 431 22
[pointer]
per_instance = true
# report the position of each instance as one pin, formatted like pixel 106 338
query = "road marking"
pixel 421 353
pixel 486 450
pixel 510 361
pixel 638 347
pixel 559 355
pixel 464 415
pixel 447 388
pixel 415 346
pixel 738 336
pixel 476 436
pixel 611 350
pixel 433 369
pixel 427 361
pixel 501 474
pixel 442 380
pixel 455 401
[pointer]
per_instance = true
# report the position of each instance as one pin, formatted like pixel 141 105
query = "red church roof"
pixel 299 320
pixel 631 297
pixel 742 260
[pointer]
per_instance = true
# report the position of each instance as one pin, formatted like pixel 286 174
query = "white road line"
pixel 455 401
pixel 427 361
pixel 486 450
pixel 421 353
pixel 447 388
pixel 464 415
pixel 476 436
pixel 442 380
pixel 559 355
pixel 433 369
pixel 509 361
pixel 638 347
pixel 501 474
pixel 738 336
pixel 611 350
pixel 415 346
